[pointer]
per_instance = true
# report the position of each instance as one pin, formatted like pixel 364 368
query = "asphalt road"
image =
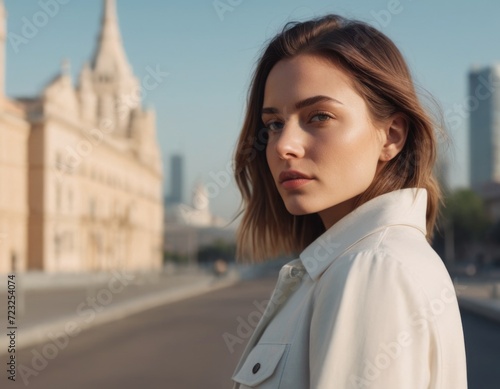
pixel 181 346
pixel 482 344
pixel 177 346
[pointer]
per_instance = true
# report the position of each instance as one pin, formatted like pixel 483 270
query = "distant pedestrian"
pixel 220 267
pixel 335 165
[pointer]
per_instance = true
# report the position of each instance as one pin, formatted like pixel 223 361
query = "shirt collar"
pixel 401 207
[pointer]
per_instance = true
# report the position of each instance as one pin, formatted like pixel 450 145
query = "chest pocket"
pixel 260 365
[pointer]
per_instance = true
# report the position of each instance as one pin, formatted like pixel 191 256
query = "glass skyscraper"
pixel 483 103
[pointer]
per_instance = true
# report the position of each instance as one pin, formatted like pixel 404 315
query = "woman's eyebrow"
pixel 303 103
pixel 314 100
pixel 270 110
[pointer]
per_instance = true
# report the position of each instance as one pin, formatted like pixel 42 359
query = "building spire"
pixel 110 9
pixel 3 33
pixel 110 55
pixel 113 80
pixel 3 14
pixel 65 67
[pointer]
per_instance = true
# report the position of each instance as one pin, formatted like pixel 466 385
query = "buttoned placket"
pixel 289 280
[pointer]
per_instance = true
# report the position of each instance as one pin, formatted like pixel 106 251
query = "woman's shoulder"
pixel 415 256
pixel 400 258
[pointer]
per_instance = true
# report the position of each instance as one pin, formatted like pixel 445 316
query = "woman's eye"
pixel 320 117
pixel 274 126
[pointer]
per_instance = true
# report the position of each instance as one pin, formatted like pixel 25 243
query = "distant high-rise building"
pixel 176 179
pixel 484 126
pixel 441 168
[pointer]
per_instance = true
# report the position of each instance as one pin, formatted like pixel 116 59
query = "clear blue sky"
pixel 210 59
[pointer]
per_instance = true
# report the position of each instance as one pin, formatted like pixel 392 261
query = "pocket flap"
pixel 260 364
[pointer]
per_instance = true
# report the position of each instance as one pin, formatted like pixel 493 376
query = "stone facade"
pixel 90 196
pixel 14 132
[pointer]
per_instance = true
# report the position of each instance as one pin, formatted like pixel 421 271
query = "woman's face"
pixel 323 149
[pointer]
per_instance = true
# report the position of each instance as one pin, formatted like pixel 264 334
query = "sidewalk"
pixel 52 305
pixel 480 296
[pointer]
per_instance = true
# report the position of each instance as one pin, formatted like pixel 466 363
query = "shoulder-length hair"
pixel 381 76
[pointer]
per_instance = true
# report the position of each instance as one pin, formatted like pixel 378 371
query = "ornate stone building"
pixel 93 183
pixel 14 132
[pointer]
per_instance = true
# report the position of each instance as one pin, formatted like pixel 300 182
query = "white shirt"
pixel 368 304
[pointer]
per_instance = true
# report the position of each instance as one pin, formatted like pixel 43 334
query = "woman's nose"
pixel 290 141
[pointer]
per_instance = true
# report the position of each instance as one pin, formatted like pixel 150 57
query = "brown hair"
pixel 382 78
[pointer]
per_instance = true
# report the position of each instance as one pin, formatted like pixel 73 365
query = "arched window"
pixel 13 262
pixel 105 78
pixel 57 245
pixel 58 196
pixel 70 200
pixel 59 161
pixel 92 208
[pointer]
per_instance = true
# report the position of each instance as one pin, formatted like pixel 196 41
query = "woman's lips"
pixel 293 179
pixel 295 183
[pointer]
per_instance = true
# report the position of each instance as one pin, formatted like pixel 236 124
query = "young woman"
pixel 334 163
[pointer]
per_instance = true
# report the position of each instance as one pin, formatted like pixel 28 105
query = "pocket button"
pixel 256 368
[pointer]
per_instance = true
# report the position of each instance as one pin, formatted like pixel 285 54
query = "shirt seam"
pixel 288 351
pixel 418 284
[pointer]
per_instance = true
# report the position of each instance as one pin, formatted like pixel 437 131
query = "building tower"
pixel 3 34
pixel 115 86
pixel 176 181
pixel 484 126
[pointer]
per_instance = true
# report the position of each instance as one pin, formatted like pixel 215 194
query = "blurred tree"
pixel 219 249
pixel 467 212
pixel 464 218
pixel 174 257
pixel 493 234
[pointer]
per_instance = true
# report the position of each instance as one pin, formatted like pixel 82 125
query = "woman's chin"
pixel 298 210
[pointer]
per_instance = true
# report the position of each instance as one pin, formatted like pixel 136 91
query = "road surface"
pixel 176 346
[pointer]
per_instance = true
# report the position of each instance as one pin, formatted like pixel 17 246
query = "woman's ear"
pixel 396 132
